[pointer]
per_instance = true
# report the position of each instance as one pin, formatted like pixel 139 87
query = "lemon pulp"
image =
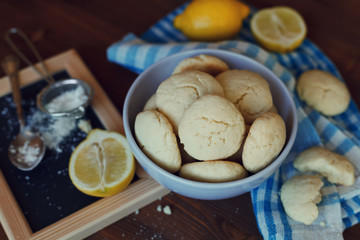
pixel 102 165
pixel 279 29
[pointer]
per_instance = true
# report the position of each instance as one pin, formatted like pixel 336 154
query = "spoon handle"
pixel 15 31
pixel 10 65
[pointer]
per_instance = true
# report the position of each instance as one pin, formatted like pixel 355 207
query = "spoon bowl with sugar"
pixel 27 149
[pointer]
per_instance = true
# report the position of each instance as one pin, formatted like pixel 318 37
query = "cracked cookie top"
pixel 177 92
pixel 249 92
pixel 211 128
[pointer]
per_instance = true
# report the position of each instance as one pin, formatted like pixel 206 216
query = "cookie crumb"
pixel 322 224
pixel 159 208
pixel 84 125
pixel 167 210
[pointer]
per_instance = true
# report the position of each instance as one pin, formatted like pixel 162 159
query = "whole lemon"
pixel 211 20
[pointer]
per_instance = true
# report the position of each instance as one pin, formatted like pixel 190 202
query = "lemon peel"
pixel 211 20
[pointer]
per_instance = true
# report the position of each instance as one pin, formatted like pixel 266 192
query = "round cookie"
pixel 211 128
pixel 213 171
pixel 324 92
pixel 264 142
pixel 273 109
pixel 238 155
pixel 249 91
pixel 151 103
pixel 156 138
pixel 185 157
pixel 176 93
pixel 205 63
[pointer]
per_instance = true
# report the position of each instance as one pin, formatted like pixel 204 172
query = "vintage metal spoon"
pixel 27 149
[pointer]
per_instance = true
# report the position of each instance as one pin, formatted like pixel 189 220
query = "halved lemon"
pixel 103 164
pixel 279 29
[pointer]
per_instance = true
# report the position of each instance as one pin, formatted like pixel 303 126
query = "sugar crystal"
pixel 68 100
pixel 29 153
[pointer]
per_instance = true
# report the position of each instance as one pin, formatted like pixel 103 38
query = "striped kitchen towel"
pixel 340 207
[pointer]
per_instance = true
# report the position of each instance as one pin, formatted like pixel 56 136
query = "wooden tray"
pixel 102 212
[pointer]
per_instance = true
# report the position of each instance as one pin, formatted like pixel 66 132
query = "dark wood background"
pixel 91 26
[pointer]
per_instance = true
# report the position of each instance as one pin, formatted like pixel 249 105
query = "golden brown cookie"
pixel 213 171
pixel 264 142
pixel 156 138
pixel 336 168
pixel 211 128
pixel 205 63
pixel 249 91
pixel 324 92
pixel 176 93
pixel 299 196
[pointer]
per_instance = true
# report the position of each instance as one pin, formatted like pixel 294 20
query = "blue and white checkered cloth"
pixel 340 207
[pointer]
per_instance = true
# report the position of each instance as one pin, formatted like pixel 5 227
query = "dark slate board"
pixel 45 194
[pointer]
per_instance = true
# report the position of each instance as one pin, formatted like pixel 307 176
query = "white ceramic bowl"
pixel 146 84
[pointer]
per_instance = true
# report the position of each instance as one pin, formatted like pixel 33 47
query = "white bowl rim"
pixel 205 185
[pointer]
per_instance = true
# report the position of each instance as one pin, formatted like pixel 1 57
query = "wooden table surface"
pixel 91 26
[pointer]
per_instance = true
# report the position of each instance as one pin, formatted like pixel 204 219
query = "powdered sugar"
pixel 68 100
pixel 26 153
pixel 53 130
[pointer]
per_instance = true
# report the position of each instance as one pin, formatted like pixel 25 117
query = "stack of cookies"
pixel 209 123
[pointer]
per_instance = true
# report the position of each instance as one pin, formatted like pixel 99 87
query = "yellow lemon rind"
pixel 211 20
pixel 108 191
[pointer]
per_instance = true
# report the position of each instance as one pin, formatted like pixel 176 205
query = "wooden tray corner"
pixel 101 213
